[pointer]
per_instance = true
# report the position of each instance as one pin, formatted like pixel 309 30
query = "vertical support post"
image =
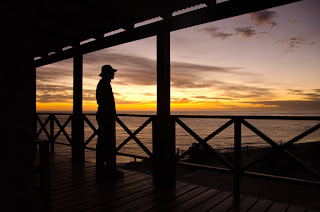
pixel 34 103
pixel 237 159
pixel 77 120
pixel 52 133
pixel 164 163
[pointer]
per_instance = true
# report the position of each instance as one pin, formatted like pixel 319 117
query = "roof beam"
pixel 204 15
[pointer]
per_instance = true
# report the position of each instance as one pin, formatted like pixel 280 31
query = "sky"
pixel 263 61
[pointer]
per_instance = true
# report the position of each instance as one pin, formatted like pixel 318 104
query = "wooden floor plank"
pixel 261 205
pixel 165 200
pixel 293 208
pixel 94 195
pixel 106 195
pixel 187 196
pixel 83 186
pixel 278 207
pixel 226 204
pixel 196 200
pixel 162 197
pixel 211 202
pixel 244 205
pixel 91 191
pixel 62 187
pixel 130 201
pixel 77 187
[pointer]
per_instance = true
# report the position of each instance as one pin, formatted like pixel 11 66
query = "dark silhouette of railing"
pixel 52 136
pixel 238 122
pixel 236 169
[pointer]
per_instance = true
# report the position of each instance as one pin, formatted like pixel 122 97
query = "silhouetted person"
pixel 106 143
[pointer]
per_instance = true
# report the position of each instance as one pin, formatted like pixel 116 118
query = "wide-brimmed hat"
pixel 106 69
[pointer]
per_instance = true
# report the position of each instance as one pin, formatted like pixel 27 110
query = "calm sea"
pixel 278 130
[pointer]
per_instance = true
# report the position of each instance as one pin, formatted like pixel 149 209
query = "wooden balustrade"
pixel 238 121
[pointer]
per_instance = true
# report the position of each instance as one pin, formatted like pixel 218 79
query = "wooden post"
pixel 164 163
pixel 34 102
pixel 77 120
pixel 237 159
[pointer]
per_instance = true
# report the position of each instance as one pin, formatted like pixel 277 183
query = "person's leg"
pixel 100 148
pixel 110 150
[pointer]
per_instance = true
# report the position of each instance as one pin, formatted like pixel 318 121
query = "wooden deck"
pixel 75 187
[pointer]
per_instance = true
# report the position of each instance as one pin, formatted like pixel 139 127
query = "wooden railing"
pixel 236 167
pixel 238 122
pixel 52 119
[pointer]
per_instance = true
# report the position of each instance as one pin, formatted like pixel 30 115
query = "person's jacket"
pixel 105 99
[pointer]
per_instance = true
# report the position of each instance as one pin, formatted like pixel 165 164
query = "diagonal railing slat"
pixel 90 138
pixel 274 144
pixel 302 135
pixel 201 141
pixel 43 126
pixel 62 128
pixel 89 123
pixel 190 131
pixel 223 127
pixel 284 146
pixel 133 135
pixel 95 131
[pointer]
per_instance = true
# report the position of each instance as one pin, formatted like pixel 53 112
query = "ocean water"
pixel 279 131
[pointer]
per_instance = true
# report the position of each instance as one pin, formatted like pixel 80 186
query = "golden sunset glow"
pixel 268 60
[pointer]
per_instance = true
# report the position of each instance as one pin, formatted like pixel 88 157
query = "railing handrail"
pixel 93 114
pixel 278 117
pixel 250 117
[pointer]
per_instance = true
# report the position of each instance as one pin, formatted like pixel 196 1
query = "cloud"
pixel 290 105
pixel 264 17
pixel 211 98
pixel 210 30
pixel 191 68
pixel 132 69
pixel 138 70
pixel 55 73
pixel 313 95
pixel 215 34
pixel 180 100
pixel 183 83
pixel 296 43
pixel 292 21
pixel 244 91
pixel 247 31
pixel 237 31
pixel 47 93
pixel 135 70
pixel 310 101
pixel 312 43
pixel 149 94
pixel 222 35
pixel 128 102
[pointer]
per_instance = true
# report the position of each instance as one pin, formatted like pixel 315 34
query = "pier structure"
pixel 64 29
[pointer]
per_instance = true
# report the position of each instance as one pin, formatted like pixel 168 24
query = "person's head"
pixel 107 72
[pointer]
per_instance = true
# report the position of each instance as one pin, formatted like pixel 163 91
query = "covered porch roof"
pixel 59 26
